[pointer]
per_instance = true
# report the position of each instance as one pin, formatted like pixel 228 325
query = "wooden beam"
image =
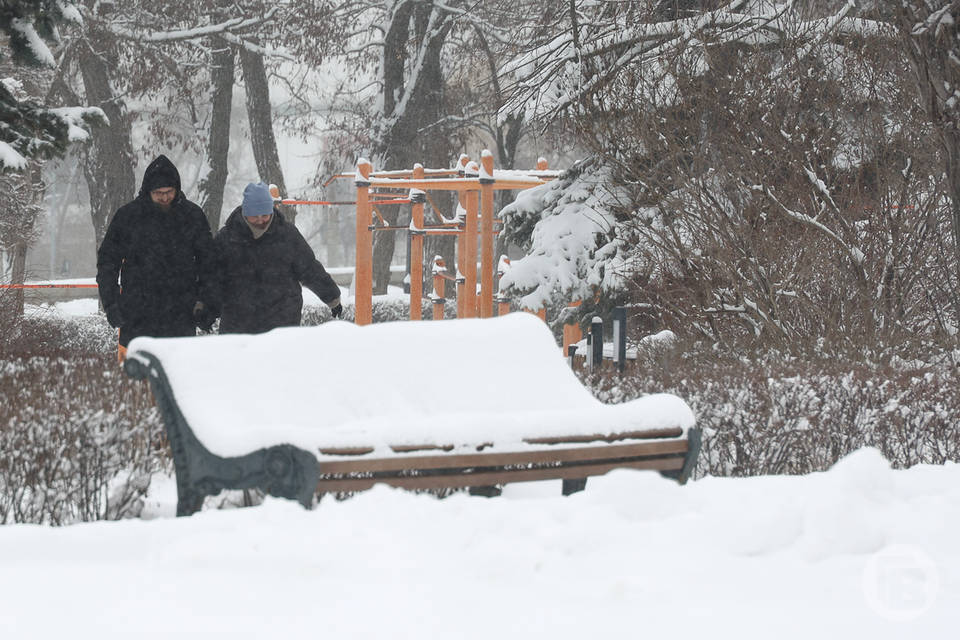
pixel 453 461
pixel 498 477
pixel 363 273
pixel 486 235
pixel 455 184
pixel 416 254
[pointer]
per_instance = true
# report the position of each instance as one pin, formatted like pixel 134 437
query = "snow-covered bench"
pixel 423 405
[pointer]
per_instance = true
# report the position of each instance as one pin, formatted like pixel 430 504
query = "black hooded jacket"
pixel 261 277
pixel 165 261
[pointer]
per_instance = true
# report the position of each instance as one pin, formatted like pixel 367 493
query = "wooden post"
pixel 486 234
pixel 470 255
pixel 463 166
pixel 439 282
pixel 571 330
pixel 542 164
pixel 415 254
pixel 363 271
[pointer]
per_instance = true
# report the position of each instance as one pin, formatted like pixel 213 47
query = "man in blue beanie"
pixel 156 265
pixel 263 261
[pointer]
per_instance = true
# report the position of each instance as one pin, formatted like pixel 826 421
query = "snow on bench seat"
pixel 383 387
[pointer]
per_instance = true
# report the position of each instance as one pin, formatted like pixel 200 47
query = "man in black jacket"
pixel 161 249
pixel 263 262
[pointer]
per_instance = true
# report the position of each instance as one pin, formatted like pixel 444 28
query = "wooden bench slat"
pixel 673 432
pixel 496 477
pixel 453 461
pixel 648 434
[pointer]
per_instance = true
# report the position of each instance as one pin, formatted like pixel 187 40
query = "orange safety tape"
pixel 48 286
pixel 325 202
pixel 345 202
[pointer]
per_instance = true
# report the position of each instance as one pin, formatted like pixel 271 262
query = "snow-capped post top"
pixel 364 168
pixel 503 265
pixel 439 266
pixel 472 170
pixel 542 164
pixel 462 162
pixel 275 192
pixel 486 166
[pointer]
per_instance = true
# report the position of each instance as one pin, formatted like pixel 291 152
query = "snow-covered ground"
pixel 861 551
pixel 88 306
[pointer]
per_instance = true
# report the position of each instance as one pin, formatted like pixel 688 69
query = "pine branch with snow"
pixel 28 129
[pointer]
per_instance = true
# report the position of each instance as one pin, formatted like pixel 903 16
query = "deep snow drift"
pixel 860 551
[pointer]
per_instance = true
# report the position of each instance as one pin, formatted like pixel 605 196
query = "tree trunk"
pixel 508 139
pixel 951 143
pixel 218 145
pixel 401 144
pixel 108 162
pixel 261 124
pixel 18 275
pixel 932 52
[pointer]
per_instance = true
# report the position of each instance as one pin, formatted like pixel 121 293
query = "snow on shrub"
pixel 775 416
pixel 569 233
pixel 79 440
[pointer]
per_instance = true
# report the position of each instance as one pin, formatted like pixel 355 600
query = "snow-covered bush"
pixel 774 194
pixel 80 441
pixel 385 309
pixel 42 331
pixel 773 414
pixel 570 234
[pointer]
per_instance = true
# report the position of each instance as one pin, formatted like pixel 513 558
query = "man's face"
pixel 260 222
pixel 163 197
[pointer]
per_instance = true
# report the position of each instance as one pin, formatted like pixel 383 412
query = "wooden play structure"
pixel 475 186
pixel 473 226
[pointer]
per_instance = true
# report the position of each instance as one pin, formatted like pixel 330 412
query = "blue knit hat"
pixel 257 200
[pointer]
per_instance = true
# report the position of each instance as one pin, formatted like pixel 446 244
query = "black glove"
pixel 203 317
pixel 114 315
pixel 337 311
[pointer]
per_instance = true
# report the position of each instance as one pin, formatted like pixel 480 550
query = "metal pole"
pixel 620 337
pixel 596 334
pixel 571 354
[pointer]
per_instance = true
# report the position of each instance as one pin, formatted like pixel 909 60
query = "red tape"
pixel 48 286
